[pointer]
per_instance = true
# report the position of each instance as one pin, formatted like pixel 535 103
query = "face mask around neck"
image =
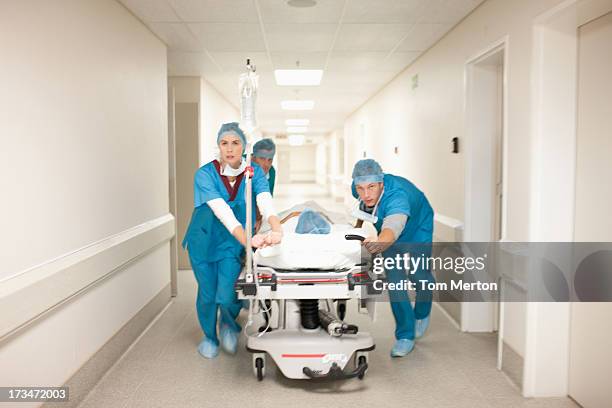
pixel 361 212
pixel 229 171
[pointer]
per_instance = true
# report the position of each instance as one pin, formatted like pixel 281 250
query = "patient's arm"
pixel 297 214
pixel 290 215
pixel 258 220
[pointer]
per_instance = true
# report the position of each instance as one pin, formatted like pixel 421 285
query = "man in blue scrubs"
pixel 263 155
pixel 403 219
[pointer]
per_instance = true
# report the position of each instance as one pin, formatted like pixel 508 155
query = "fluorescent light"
pixel 297 122
pixel 297 105
pixel 298 77
pixel 296 129
pixel 296 140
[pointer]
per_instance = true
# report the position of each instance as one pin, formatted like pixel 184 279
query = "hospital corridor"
pixel 306 203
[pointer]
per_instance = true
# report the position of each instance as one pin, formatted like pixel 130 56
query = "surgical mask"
pixel 232 172
pixel 360 211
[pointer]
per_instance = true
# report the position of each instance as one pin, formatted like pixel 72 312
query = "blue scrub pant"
pixel 216 294
pixel 401 307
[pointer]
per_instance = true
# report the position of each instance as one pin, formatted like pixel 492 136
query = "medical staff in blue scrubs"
pixel 263 154
pixel 216 237
pixel 403 219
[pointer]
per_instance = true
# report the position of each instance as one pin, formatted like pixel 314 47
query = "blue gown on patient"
pixel 311 222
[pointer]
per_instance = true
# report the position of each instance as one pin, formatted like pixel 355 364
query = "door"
pixel 187 162
pixel 484 150
pixel 283 158
pixel 591 323
pixel 484 163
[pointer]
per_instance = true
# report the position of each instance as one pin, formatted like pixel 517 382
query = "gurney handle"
pixel 354 237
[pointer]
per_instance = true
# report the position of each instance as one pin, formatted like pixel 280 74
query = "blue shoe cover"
pixel 402 347
pixel 229 339
pixel 421 327
pixel 208 349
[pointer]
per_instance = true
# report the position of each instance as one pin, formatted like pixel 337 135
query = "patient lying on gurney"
pixel 312 241
pixel 310 222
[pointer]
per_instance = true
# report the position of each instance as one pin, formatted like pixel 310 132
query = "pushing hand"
pixel 258 241
pixel 274 238
pixel 373 245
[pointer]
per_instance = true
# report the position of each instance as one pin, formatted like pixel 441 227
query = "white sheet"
pixel 313 251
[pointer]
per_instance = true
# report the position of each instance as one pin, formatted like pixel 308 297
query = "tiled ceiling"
pixel 361 45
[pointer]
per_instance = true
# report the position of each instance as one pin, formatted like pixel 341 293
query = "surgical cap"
pixel 311 222
pixel 265 149
pixel 367 171
pixel 232 127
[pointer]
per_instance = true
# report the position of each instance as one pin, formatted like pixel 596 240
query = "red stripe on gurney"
pixel 303 355
pixel 312 280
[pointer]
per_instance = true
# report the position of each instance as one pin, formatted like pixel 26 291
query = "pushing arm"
pixel 266 207
pixel 392 227
pixel 225 214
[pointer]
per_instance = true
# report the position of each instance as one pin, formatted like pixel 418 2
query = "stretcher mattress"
pixel 313 251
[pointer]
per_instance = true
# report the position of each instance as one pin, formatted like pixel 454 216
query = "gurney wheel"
pixel 260 368
pixel 341 309
pixel 361 360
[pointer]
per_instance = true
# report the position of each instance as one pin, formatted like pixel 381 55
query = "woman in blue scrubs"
pixel 216 237
pixel 403 219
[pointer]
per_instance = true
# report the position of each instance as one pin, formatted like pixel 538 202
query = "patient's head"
pixel 311 222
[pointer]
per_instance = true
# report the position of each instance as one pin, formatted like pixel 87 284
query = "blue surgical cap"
pixel 265 148
pixel 234 128
pixel 367 171
pixel 311 222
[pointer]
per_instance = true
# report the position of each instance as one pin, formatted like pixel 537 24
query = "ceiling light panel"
pixel 297 122
pixel 298 77
pixel 297 105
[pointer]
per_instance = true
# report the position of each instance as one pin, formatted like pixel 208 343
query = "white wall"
pixel 302 165
pixel 336 155
pixel 186 89
pixel 322 163
pixel 83 125
pixel 214 111
pixel 421 122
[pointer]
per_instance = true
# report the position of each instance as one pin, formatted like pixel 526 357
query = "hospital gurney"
pixel 306 335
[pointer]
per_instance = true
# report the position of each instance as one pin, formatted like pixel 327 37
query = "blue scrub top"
pixel 206 238
pixel 208 186
pixel 403 197
pixel 271 179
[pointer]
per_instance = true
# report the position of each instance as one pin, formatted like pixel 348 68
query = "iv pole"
pixel 248 93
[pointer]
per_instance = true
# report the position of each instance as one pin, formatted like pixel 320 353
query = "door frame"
pixel 553 128
pixel 483 317
pixel 172 189
pixel 501 45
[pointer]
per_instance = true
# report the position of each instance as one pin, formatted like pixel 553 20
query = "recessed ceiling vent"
pixel 302 3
